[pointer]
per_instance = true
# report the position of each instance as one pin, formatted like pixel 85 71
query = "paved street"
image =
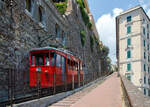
pixel 108 94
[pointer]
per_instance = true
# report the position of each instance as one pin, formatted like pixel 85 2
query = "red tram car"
pixel 47 62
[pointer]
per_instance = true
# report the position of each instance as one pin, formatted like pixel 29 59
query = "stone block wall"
pixel 21 31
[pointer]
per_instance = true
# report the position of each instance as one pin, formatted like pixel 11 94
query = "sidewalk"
pixel 108 94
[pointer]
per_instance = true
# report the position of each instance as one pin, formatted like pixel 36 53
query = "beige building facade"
pixel 133 47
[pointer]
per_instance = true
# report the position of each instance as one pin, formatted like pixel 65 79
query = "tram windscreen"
pixel 38 59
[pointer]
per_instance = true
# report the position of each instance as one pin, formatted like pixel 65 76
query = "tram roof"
pixel 58 49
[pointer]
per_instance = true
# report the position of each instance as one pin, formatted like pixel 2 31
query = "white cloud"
pixel 146 5
pixel 148 12
pixel 106 29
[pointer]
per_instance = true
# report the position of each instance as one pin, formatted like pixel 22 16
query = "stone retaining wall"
pixel 132 96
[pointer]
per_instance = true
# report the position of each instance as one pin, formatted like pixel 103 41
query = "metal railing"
pixel 15 85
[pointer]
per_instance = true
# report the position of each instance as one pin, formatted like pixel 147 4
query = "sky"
pixel 104 13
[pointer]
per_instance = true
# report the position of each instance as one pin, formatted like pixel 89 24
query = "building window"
pixel 41 15
pixel 147 26
pixel 148 58
pixel 147 35
pixel 143 30
pixel 148 69
pixel 29 5
pixel 143 20
pixel 144 55
pixel 129 18
pixel 128 77
pixel 149 93
pixel 148 47
pixel 144 43
pixel 144 80
pixel 128 54
pixel 128 41
pixel 144 67
pixel 144 91
pixel 129 67
pixel 63 38
pixel 57 30
pixel 148 81
pixel 128 29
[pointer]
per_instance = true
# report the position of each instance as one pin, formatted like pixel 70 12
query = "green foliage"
pixel 91 42
pixel 81 2
pixel 90 25
pixel 84 14
pixel 65 47
pixel 96 40
pixel 104 52
pixel 61 7
pixel 54 46
pixel 83 37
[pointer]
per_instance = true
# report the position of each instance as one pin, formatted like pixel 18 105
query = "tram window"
pixel 58 60
pixel 71 65
pixel 68 63
pixel 53 55
pixel 76 66
pixel 32 60
pixel 46 59
pixel 40 59
pixel 81 66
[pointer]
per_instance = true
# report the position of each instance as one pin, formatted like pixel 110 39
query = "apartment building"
pixel 133 47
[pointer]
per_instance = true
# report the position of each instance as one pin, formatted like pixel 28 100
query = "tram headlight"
pixel 38 69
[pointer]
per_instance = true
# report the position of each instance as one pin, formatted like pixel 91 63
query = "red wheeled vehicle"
pixel 51 66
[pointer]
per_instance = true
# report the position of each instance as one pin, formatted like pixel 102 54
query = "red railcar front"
pixel 40 69
pixel 48 65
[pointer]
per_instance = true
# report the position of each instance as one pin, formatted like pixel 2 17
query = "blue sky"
pixel 104 13
pixel 100 7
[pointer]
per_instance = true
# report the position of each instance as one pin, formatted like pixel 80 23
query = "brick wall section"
pixel 135 97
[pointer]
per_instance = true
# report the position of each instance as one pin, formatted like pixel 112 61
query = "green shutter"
pixel 128 29
pixel 129 54
pixel 129 77
pixel 129 19
pixel 144 43
pixel 129 41
pixel 147 35
pixel 144 67
pixel 128 67
pixel 144 80
pixel 144 31
pixel 149 93
pixel 144 91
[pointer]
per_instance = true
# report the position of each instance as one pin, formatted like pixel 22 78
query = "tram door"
pixel 63 68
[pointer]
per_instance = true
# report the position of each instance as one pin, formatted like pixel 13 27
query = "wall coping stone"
pixel 135 96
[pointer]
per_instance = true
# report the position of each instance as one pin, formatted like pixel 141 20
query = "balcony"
pixel 129 72
pixel 129 47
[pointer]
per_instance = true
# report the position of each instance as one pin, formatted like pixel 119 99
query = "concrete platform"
pixel 108 94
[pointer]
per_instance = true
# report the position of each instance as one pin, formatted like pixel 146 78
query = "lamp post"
pixel 140 80
pixel 11 4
